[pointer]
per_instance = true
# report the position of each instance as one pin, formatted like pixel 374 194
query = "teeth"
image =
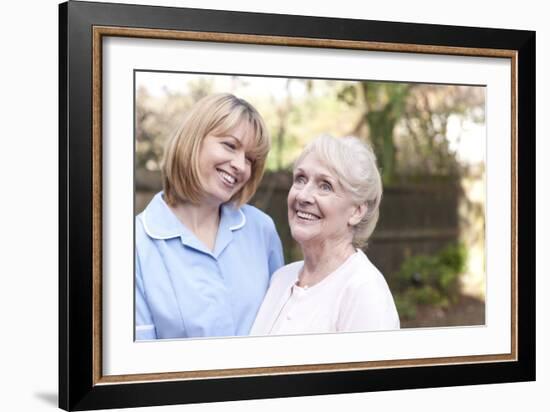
pixel 305 215
pixel 227 177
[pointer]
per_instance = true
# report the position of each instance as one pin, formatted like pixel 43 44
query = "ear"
pixel 358 214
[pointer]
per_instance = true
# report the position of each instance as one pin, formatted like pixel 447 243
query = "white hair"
pixel 354 164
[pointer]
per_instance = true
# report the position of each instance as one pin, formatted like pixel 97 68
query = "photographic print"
pixel 184 318
pixel 429 146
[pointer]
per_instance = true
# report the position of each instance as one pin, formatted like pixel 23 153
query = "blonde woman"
pixel 203 257
pixel 333 208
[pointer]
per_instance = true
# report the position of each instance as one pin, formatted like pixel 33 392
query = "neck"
pixel 197 217
pixel 321 259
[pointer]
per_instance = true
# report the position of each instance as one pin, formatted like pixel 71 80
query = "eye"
pixel 325 187
pixel 299 179
pixel 249 160
pixel 229 145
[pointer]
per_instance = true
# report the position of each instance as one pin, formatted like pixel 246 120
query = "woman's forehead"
pixel 313 163
pixel 311 159
pixel 242 131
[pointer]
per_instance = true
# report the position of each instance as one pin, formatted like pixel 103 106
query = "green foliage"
pixel 382 121
pixel 407 124
pixel 429 280
pixel 381 106
pixel 405 305
pixel 158 117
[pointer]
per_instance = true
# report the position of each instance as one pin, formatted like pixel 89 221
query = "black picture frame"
pixel 80 383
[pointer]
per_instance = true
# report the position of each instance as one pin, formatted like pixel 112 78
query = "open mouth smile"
pixel 228 179
pixel 310 217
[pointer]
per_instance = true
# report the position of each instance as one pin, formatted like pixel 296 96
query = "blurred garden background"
pixel 429 140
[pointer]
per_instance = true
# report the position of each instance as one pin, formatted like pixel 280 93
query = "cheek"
pixel 248 174
pixel 290 199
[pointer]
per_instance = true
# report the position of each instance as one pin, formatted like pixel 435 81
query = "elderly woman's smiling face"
pixel 319 208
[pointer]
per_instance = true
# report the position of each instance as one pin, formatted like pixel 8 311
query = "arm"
pixel 367 306
pixel 145 327
pixel 275 252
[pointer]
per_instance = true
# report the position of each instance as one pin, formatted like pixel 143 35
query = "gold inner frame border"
pixel 102 31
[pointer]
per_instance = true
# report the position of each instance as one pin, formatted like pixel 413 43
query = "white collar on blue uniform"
pixel 161 223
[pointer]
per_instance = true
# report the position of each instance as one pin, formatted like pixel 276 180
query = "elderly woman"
pixel 203 258
pixel 332 210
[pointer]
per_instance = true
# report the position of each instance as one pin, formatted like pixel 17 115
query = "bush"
pixel 429 280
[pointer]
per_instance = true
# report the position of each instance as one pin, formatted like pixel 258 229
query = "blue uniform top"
pixel 184 290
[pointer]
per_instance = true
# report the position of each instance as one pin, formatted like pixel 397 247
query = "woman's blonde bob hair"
pixel 215 114
pixel 354 165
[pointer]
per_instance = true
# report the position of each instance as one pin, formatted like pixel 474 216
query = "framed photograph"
pixel 449 114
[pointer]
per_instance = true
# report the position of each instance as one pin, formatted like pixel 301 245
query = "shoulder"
pixel 152 220
pixel 255 215
pixel 144 244
pixel 157 221
pixel 367 302
pixel 257 219
pixel 140 227
pixel 365 278
pixel 363 270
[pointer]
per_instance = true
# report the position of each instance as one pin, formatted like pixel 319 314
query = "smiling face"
pixel 320 210
pixel 225 163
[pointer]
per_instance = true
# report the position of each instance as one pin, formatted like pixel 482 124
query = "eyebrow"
pixel 329 178
pixel 227 135
pixel 321 175
pixel 251 148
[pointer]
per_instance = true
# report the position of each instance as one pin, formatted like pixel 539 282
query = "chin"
pixel 224 194
pixel 300 235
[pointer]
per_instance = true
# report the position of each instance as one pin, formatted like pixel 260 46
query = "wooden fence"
pixel 415 218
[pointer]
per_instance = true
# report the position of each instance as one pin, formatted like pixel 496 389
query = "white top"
pixel 355 297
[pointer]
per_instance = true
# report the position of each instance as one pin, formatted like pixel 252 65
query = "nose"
pixel 238 162
pixel 305 193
